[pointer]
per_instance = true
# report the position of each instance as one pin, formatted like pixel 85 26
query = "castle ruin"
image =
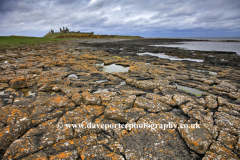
pixel 67 31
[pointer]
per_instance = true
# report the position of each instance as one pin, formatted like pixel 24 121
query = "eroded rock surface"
pixel 58 103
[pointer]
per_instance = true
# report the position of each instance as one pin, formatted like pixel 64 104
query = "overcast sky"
pixel 147 18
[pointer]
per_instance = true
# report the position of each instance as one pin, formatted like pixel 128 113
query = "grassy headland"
pixel 53 35
pixel 16 41
pixel 77 35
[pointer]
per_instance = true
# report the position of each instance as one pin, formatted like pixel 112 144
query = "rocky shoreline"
pixel 43 87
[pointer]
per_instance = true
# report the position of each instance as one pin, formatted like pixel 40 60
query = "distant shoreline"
pixel 204 38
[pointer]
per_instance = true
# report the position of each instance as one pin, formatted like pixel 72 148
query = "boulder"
pixel 228 110
pixel 61 147
pixel 77 98
pixel 180 99
pixel 18 83
pixel 44 88
pixel 165 99
pixel 221 101
pixel 17 122
pixel 228 123
pixel 211 102
pixel 99 152
pixel 38 155
pixel 67 155
pixel 227 139
pixel 132 92
pixel 120 115
pixel 151 105
pixel 137 69
pixel 218 151
pixel 115 132
pixel 93 110
pixel 45 135
pixel 119 109
pixel 234 107
pixel 147 143
pixel 234 95
pixel 90 99
pixel 69 91
pixel 197 139
pixel 146 85
pixel 41 114
pixel 58 101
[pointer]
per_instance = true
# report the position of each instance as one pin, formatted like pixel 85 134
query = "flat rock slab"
pixel 151 105
pixel 197 139
pixel 78 111
pixel 147 143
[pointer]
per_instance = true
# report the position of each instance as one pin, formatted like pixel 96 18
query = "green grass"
pixel 16 41
pixel 52 35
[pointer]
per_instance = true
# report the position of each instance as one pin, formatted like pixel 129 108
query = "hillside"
pixel 16 41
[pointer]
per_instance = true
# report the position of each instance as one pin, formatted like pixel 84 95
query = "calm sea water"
pixel 163 56
pixel 213 45
pixel 209 38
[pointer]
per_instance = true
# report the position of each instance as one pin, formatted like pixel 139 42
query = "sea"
pixel 213 44
pixel 209 38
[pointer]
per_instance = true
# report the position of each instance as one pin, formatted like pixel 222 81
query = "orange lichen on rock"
pixel 198 139
pixel 5 138
pixel 65 155
pixel 90 99
pixel 18 83
pixel 221 150
pixel 59 101
pixel 93 110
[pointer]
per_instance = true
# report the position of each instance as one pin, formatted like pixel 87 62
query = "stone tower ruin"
pixel 63 30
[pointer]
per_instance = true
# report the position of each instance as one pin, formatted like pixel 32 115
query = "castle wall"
pixel 67 31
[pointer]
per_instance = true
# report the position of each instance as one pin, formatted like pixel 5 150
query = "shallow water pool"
pixel 114 68
pixel 194 91
pixel 73 75
pixel 163 56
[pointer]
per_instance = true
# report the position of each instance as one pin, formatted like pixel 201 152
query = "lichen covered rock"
pixel 211 102
pixel 197 139
pixel 90 99
pixel 120 109
pixel 147 143
pixel 227 122
pixel 47 114
pixel 218 151
pixel 151 105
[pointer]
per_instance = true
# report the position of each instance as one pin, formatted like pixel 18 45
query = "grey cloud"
pixel 182 12
pixel 64 2
pixel 7 6
pixel 115 15
pixel 210 17
pixel 96 5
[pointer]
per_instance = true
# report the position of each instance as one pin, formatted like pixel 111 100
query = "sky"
pixel 146 18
